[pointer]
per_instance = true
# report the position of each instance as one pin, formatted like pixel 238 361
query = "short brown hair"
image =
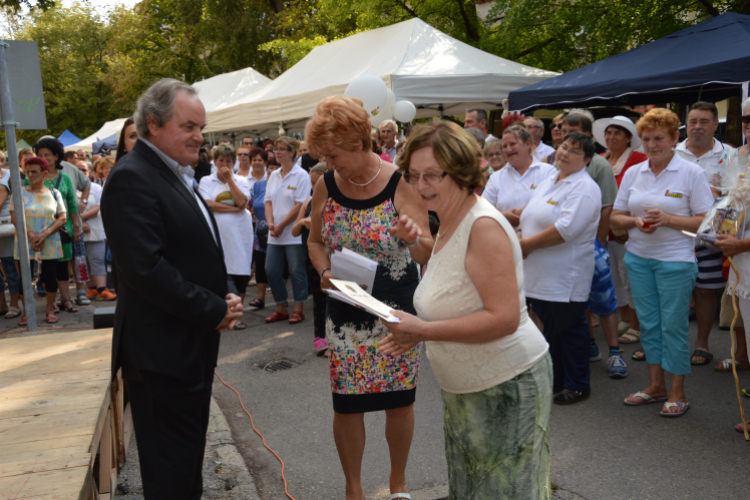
pixel 454 149
pixel 290 142
pixel 658 118
pixel 339 121
pixel 24 152
pixel 577 120
pixel 521 134
pixel 101 163
pixel 705 106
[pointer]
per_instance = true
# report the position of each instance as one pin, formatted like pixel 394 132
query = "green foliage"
pixel 72 54
pixel 293 50
pixel 567 34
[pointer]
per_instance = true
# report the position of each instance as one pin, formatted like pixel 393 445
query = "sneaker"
pixel 594 354
pixel 321 346
pixel 93 294
pixel 617 366
pixel 82 300
pixel 746 392
pixel 106 295
pixel 568 397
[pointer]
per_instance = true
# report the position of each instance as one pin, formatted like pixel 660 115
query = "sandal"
pixel 257 303
pixel 51 318
pixel 639 356
pixel 647 400
pixel 297 317
pixel 726 366
pixel 396 496
pixel 63 307
pixel 707 357
pixel 740 428
pixel 22 321
pixel 630 337
pixel 277 316
pixel 240 326
pixel 12 312
pixel 668 414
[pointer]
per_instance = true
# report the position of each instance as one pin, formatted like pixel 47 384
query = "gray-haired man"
pixel 174 296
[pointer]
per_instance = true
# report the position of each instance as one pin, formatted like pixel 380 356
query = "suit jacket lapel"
pixel 177 183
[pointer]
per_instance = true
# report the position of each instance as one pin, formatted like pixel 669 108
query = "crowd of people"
pixel 500 254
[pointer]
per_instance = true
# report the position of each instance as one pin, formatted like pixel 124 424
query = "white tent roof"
pixel 107 130
pixel 226 88
pixel 416 61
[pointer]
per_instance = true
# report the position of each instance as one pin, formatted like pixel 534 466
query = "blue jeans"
pixel 278 258
pixel 661 292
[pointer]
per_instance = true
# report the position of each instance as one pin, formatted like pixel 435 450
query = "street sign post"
pixel 21 107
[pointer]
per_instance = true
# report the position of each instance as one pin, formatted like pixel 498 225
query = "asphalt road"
pixel 601 449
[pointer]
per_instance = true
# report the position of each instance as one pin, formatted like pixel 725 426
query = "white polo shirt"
pixel 709 162
pixel 543 151
pixel 283 195
pixel 507 189
pixel 562 273
pixel 681 189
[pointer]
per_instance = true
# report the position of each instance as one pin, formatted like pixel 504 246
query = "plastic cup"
pixel 647 206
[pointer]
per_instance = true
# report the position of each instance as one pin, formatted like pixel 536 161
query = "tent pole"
pixel 15 182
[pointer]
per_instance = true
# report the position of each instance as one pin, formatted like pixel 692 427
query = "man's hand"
pixel 233 314
pixel 513 216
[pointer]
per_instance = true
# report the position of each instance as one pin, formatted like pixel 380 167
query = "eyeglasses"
pixel 533 126
pixel 558 125
pixel 30 173
pixel 430 178
pixel 243 154
pixel 280 149
pixel 496 154
pixel 746 119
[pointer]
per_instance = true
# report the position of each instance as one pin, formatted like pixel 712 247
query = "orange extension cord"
pixel 258 433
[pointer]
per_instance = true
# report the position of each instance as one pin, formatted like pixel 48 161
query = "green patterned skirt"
pixel 497 440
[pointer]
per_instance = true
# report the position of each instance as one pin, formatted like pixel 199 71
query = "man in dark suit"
pixel 174 296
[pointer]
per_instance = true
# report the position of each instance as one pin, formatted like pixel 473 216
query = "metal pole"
pixel 15 184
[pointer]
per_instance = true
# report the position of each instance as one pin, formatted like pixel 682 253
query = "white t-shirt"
pixel 709 162
pixel 563 273
pixel 284 193
pixel 95 223
pixel 507 189
pixel 543 151
pixel 681 189
pixel 235 229
pixel 252 180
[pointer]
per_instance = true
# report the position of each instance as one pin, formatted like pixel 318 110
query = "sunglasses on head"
pixel 746 119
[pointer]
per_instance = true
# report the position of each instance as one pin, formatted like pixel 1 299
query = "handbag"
pixel 6 227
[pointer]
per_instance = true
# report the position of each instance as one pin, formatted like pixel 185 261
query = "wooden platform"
pixel 61 429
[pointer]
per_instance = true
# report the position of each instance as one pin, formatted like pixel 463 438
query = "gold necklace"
pixel 440 236
pixel 380 167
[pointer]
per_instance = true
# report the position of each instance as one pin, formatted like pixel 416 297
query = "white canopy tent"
pixel 436 72
pixel 107 130
pixel 226 88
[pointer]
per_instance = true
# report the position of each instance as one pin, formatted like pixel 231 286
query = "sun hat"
pixel 600 126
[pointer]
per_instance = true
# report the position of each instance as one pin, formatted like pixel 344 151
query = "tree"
pixel 185 39
pixel 72 52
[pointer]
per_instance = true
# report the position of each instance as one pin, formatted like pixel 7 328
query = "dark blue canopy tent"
pixel 68 138
pixel 709 61
pixel 106 144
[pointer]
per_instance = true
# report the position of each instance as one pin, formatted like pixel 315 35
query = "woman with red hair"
pixel 365 205
pixel 44 212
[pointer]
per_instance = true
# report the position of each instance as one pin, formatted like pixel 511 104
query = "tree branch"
pixel 534 48
pixel 710 9
pixel 470 30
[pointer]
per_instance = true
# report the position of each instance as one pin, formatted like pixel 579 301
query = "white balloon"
pixel 385 115
pixel 390 101
pixel 372 91
pixel 404 111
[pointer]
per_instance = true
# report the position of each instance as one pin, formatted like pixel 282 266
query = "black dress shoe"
pixel 568 397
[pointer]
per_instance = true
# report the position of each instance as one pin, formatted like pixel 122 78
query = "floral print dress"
pixel 363 379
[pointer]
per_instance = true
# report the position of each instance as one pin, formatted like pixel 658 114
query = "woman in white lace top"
pixel 488 357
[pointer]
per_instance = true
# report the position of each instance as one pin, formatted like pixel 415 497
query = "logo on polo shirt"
pixel 532 187
pixel 294 189
pixel 673 195
pixel 551 202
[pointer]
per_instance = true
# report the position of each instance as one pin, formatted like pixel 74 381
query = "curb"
pixel 230 465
